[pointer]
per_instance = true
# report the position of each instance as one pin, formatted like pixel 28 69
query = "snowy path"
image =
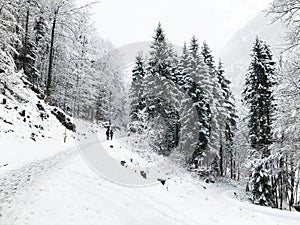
pixel 63 190
pixel 18 181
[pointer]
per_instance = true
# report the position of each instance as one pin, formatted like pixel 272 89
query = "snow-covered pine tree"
pixel 258 95
pixel 189 124
pixel 198 88
pixel 175 70
pixel 161 76
pixel 136 92
pixel 208 57
pixel 261 185
pixel 230 118
pixel 217 118
pixel 183 65
pixel 161 55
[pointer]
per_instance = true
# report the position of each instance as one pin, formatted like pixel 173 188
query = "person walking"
pixel 107 133
pixel 111 134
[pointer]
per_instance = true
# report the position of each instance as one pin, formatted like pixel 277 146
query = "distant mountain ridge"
pixel 236 56
pixel 242 41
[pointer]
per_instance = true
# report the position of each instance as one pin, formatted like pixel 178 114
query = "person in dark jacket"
pixel 111 134
pixel 107 133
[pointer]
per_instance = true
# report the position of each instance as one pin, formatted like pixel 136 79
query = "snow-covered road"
pixel 16 182
pixel 62 190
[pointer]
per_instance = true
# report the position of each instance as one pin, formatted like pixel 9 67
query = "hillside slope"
pixel 236 55
pixel 29 128
pixel 24 114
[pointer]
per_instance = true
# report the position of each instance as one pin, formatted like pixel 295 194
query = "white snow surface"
pixel 57 187
pixel 47 182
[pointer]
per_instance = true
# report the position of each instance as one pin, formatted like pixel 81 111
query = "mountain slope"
pixel 236 55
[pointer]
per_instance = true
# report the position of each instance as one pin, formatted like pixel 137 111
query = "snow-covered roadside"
pixel 29 128
pixel 66 191
pixel 17 153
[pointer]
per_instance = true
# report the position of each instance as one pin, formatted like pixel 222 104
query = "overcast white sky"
pixel 128 21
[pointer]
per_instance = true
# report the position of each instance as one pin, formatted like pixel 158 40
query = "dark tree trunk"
pixel 25 51
pixel 281 165
pixel 51 55
pixel 292 199
pixel 231 166
pixel 221 161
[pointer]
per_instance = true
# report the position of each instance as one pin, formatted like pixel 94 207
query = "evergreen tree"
pixel 222 122
pixel 208 57
pixel 230 116
pixel 175 75
pixel 262 186
pixel 136 91
pixel 183 65
pixel 161 55
pixel 216 120
pixel 189 129
pixel 258 95
pixel 160 89
pixel 197 87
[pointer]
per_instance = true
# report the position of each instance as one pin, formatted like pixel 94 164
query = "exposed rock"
pixel 62 118
pixel 143 174
pixel 162 181
pixel 22 113
pixel 40 107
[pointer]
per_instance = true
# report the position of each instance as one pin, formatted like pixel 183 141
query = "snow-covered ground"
pixel 58 187
pixel 23 113
pixel 46 181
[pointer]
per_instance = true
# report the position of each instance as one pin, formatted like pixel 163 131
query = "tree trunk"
pixel 231 165
pixel 292 199
pixel 50 67
pixel 221 160
pixel 25 51
pixel 234 169
pixel 238 171
pixel 297 187
pixel 281 165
